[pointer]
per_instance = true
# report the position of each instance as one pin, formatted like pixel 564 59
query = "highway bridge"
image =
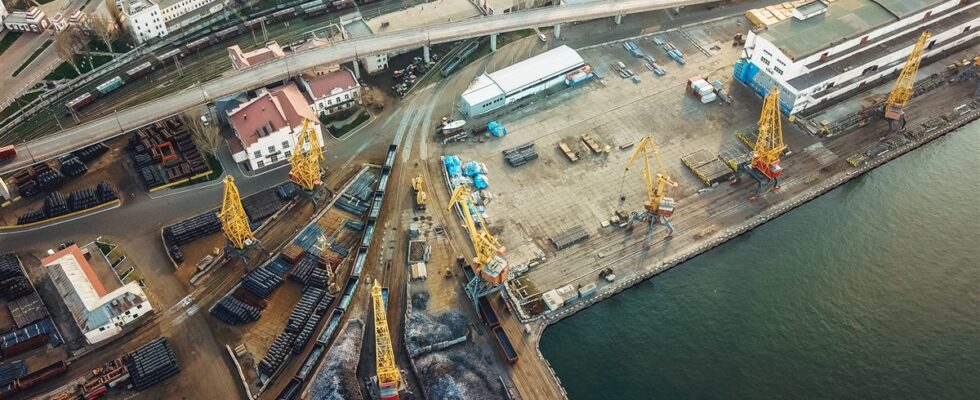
pixel 123 121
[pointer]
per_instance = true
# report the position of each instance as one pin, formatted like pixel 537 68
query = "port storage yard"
pixel 555 213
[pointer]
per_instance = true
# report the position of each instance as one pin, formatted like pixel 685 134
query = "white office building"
pixel 830 50
pixel 181 13
pixel 534 75
pixel 100 314
pixel 143 19
pixel 332 92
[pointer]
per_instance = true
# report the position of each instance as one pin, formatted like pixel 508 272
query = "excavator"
pixel 658 206
pixel 904 85
pixel 490 267
pixel 764 165
pixel 420 196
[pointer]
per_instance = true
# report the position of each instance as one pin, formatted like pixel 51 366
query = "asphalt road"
pixel 134 117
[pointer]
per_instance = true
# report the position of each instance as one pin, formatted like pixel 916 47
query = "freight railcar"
pixel 199 44
pixel 169 55
pixel 313 9
pixel 138 71
pixel 228 33
pixel 342 4
pixel 110 86
pixel 283 15
pixel 80 102
pixel 255 23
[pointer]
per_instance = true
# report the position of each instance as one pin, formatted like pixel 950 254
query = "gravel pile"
pixel 337 377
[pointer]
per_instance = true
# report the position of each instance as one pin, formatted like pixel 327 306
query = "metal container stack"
pixel 262 205
pixel 151 364
pixel 50 179
pixel 72 167
pixel 287 191
pixel 304 335
pixel 302 270
pixel 105 192
pixel 55 205
pixel 233 311
pixel 261 282
pixel 303 309
pixel 15 287
pixel 90 153
pixel 357 198
pixel 191 229
pixel 82 199
pixel 318 278
pixel 520 155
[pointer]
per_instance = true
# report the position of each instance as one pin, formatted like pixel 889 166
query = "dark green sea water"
pixel 871 291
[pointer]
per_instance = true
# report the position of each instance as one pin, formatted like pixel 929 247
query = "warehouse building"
pixel 99 313
pixel 829 50
pixel 534 75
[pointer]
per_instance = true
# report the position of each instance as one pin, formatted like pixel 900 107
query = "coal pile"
pixel 189 230
pixel 520 155
pixel 262 205
pixel 151 364
pixel 90 153
pixel 233 311
pixel 15 287
pixel 73 167
pixel 281 347
pixel 356 199
pixel 302 271
pixel 304 335
pixel 336 379
pixel 261 282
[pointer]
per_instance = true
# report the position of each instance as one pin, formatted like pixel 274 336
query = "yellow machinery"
pixel 234 222
pixel 420 196
pixel 900 95
pixel 388 376
pixel 658 205
pixel 306 158
pixel 491 268
pixel 769 146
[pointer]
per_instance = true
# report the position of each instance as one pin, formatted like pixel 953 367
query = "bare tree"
pixel 68 43
pixel 114 11
pixel 104 29
pixel 204 134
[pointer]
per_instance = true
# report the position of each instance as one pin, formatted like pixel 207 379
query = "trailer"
pixel 506 348
pixel 110 85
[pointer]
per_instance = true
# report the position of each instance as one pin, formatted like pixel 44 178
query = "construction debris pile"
pixel 56 204
pixel 337 377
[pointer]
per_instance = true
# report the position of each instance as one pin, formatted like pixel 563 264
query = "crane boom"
pixel 306 157
pixel 489 265
pixel 769 146
pixel 234 221
pixel 657 202
pixel 903 90
pixel 388 376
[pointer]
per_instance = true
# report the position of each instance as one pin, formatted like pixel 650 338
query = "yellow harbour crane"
pixel 306 158
pixel 490 267
pixel 903 90
pixel 388 375
pixel 769 146
pixel 659 207
pixel 420 196
pixel 234 222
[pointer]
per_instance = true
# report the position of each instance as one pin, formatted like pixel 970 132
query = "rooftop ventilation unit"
pixel 809 10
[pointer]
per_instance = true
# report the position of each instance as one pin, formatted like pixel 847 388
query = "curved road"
pixel 134 117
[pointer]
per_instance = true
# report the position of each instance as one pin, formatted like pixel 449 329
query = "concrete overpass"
pixel 126 120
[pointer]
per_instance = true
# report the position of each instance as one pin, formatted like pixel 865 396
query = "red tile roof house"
pixel 267 126
pixel 240 60
pixel 332 91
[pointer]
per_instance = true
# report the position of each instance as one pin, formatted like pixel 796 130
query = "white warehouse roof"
pixel 514 78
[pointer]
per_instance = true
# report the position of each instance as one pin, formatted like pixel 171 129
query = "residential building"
pixel 267 126
pixel 533 75
pixel 829 50
pixel 143 19
pixel 240 60
pixel 99 313
pixel 33 20
pixel 332 91
pixel 178 14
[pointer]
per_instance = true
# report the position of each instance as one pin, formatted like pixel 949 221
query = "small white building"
pixel 332 91
pixel 830 50
pixel 240 60
pixel 143 19
pixel 355 27
pixel 268 125
pixel 3 15
pixel 99 314
pixel 33 20
pixel 533 75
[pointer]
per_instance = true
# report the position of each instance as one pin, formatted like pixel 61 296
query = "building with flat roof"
pixel 533 75
pixel 142 19
pixel 827 50
pixel 267 126
pixel 332 91
pixel 99 313
pixel 240 60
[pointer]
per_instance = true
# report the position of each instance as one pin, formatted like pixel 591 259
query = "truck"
pixel 506 348
pixel 7 152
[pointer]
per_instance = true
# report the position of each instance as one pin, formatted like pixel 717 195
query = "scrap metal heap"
pixel 903 91
pixel 306 158
pixel 388 375
pixel 658 206
pixel 234 221
pixel 490 267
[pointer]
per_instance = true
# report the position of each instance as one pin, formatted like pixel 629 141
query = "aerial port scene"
pixel 489 199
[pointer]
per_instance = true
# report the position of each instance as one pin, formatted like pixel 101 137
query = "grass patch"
pixel 340 132
pixel 32 57
pixel 216 171
pixel 8 40
pixel 19 103
pixel 66 71
pixel 118 46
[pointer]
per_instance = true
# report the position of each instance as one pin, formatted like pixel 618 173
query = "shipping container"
pixel 110 85
pixel 505 346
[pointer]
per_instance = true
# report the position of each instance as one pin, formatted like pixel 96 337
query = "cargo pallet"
pixel 709 169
